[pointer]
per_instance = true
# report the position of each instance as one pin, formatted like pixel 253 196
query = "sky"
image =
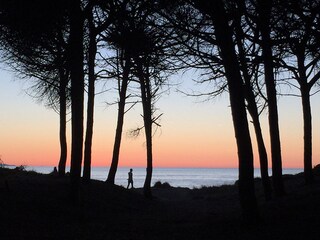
pixel 194 132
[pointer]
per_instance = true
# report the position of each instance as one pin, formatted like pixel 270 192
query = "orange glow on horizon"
pixel 193 135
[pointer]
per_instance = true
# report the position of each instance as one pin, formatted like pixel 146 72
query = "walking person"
pixel 130 178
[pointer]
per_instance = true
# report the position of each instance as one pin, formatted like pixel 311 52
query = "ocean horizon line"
pixel 140 167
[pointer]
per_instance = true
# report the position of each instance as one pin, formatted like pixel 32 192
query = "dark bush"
pixel 159 184
pixel 20 168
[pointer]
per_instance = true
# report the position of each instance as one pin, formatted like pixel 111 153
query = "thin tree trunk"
pixel 90 106
pixel 245 155
pixel 62 132
pixel 264 14
pixel 148 131
pixel 77 95
pixel 307 118
pixel 253 110
pixel 263 157
pixel 147 118
pixel 121 112
pixel 307 129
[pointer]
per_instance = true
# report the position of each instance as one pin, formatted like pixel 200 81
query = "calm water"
pixel 176 177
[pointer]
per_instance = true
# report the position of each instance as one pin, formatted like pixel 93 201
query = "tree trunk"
pixel 62 132
pixel 148 132
pixel 264 15
pixel 147 118
pixel 121 112
pixel 307 129
pixel 307 118
pixel 77 95
pixel 224 39
pixel 253 110
pixel 90 106
pixel 263 157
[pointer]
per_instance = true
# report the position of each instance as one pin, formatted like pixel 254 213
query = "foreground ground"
pixel 36 206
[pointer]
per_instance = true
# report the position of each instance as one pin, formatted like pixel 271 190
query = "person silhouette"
pixel 130 178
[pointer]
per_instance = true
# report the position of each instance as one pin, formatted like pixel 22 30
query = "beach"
pixel 37 206
pixel 176 177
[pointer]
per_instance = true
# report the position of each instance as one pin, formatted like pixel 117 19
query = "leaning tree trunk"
pixel 224 39
pixel 263 157
pixel 90 107
pixel 63 114
pixel 77 95
pixel 121 112
pixel 264 15
pixel 253 110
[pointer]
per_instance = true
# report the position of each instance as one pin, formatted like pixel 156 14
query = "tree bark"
pixel 264 10
pixel 266 183
pixel 306 109
pixel 307 129
pixel 263 157
pixel 62 131
pixel 121 112
pixel 77 95
pixel 147 118
pixel 148 131
pixel 90 104
pixel 253 110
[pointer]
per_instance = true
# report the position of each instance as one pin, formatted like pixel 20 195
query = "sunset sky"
pixel 194 133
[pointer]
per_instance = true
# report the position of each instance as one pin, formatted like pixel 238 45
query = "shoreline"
pixel 176 177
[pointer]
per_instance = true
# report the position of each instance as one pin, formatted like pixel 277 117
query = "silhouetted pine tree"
pixel 33 42
pixel 224 39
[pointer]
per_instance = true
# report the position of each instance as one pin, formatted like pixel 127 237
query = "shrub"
pixel 159 184
pixel 21 168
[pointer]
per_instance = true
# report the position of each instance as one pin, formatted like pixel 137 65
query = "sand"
pixel 37 206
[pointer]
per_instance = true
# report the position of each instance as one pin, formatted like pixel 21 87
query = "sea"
pixel 176 177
